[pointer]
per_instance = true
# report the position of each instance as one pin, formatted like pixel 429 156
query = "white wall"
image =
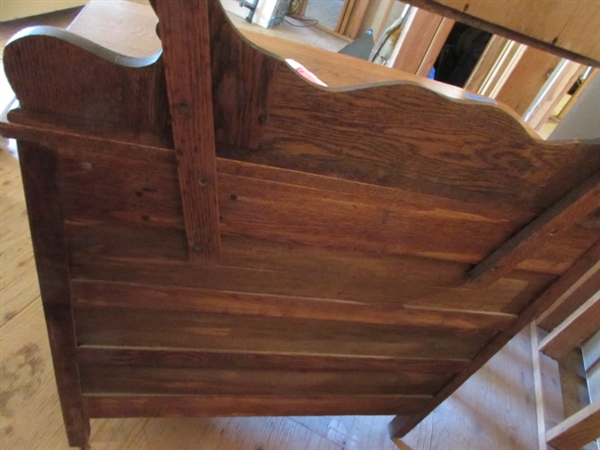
pixel 583 119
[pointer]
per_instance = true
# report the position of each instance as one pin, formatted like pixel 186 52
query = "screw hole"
pixel 233 197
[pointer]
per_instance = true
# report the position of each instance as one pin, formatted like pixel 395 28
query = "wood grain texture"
pixel 556 28
pixel 400 426
pixel 417 40
pixel 185 37
pixel 113 89
pixel 190 358
pixel 104 379
pixel 575 206
pixel 580 291
pixel 495 166
pixel 212 405
pixel 196 301
pixel 347 220
pixel 578 327
pixel 38 168
pixel 119 327
pixel 577 430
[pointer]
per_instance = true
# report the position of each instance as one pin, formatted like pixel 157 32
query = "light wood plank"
pixel 581 290
pixel 579 326
pixel 577 430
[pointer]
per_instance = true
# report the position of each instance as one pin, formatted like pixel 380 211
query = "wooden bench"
pixel 214 235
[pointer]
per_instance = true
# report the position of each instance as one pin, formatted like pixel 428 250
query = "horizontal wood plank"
pixel 575 206
pixel 579 326
pixel 415 144
pixel 118 326
pixel 172 357
pixel 211 405
pixel 577 430
pixel 104 379
pixel 400 426
pixel 296 271
pixel 196 301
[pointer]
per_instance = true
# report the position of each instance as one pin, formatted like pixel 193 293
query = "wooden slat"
pixel 402 425
pixel 139 297
pixel 579 326
pixel 38 168
pixel 165 357
pixel 252 267
pixel 186 44
pixel 228 332
pixel 581 290
pixel 576 205
pixel 104 379
pixel 212 405
pixel 61 132
pixel 276 204
pixel 577 430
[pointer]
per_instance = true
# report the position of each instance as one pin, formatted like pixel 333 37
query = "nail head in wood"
pixel 184 109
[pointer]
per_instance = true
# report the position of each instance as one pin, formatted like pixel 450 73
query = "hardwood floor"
pixel 495 409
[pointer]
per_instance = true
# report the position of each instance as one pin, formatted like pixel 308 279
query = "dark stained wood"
pixel 229 332
pixel 242 82
pixel 267 203
pixel 398 143
pixel 575 206
pixel 139 356
pixel 195 301
pixel 337 226
pixel 213 405
pixel 78 136
pixel 185 37
pixel 38 168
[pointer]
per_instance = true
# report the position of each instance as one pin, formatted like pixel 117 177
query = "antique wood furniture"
pixel 214 235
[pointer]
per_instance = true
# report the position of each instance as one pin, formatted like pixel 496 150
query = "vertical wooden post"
pixel 39 168
pixel 185 36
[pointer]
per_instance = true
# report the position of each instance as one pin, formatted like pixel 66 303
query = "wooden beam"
pixel 185 37
pixel 578 430
pixel 579 326
pixel 577 204
pixel 39 167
